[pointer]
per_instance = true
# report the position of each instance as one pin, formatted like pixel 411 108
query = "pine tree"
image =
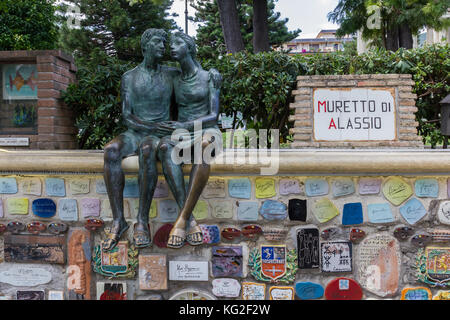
pixel 114 28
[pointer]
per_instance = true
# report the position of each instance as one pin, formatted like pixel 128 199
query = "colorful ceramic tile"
pixel 36 249
pixel 226 288
pixel 227 261
pixel 403 233
pixel 68 209
pixel 222 209
pixel 17 205
pixel 211 234
pixel 131 189
pixel 427 188
pixel 247 211
pixel 55 295
pixel 417 293
pixel 215 188
pixel 134 208
pixel 79 186
pixel 273 210
pixel 308 290
pixel 442 295
pixel 8 185
pixel 251 232
pixel 231 233
pixel 57 228
pixel 290 186
pixel 31 186
pixel 240 188
pixel 15 227
pixel 273 261
pixel 396 190
pixel 316 187
pixel 336 256
pixel 308 248
pixel 332 233
pixel 274 233
pixel 324 210
pixel 168 210
pixel 36 227
pixel 343 289
pixel 153 272
pixel 201 210
pixel 444 212
pixel 115 263
pixel 297 210
pixel 412 211
pixel 111 291
pixel 379 263
pixel 432 266
pixel 30 295
pixel 188 270
pixel 1 209
pixel 369 186
pixel 161 190
pixel 380 213
pixel 342 187
pixel 55 187
pixel 90 207
pixel 44 208
pixel 265 188
pixel 421 240
pixel 440 235
pixel 352 214
pixel 253 291
pixel 356 235
pixel 162 235
pixel 100 186
pixel 281 293
pixel 79 271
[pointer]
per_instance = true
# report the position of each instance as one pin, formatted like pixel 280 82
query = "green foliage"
pixel 260 86
pixel 96 102
pixel 114 28
pixel 28 25
pixel 210 40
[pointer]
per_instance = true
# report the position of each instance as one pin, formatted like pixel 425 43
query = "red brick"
pixel 47 103
pixel 66 130
pixel 47 67
pixel 45 59
pixel 46 121
pixel 48 93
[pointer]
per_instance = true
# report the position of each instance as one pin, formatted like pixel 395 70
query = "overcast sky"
pixel 308 15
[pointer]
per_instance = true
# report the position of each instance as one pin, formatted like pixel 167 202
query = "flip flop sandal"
pixel 192 232
pixel 112 240
pixel 180 233
pixel 141 238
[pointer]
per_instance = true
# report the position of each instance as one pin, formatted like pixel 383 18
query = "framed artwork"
pixel 19 81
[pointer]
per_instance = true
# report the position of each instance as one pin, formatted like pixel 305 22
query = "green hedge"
pixel 260 87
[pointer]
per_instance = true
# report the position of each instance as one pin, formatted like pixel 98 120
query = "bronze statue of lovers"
pixel 147 93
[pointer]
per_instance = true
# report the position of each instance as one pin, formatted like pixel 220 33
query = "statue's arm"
pixel 130 120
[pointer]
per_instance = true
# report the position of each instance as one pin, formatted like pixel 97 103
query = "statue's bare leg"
pixel 115 151
pixel 175 179
pixel 148 177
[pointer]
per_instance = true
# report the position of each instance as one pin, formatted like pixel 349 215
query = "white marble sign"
pixel 24 276
pixel 228 288
pixel 444 212
pixel 188 270
pixel 357 114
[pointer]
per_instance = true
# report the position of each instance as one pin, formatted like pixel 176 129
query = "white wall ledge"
pixel 291 161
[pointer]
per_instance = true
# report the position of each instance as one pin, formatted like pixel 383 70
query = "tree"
pixel 260 26
pixel 210 39
pixel 28 25
pixel 389 23
pixel 229 21
pixel 114 27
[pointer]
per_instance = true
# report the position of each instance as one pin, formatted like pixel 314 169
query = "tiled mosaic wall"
pixel 321 237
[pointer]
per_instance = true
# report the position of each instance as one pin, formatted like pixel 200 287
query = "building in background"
pixel 325 41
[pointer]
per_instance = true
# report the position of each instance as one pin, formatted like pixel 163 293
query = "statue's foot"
pixel 177 237
pixel 117 231
pixel 195 236
pixel 141 235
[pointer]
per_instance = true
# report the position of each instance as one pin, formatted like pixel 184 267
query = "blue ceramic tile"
pixel 309 290
pixel 343 187
pixel 8 185
pixel 240 188
pixel 100 186
pixel 427 188
pixel 131 189
pixel 352 214
pixel 44 208
pixel 380 213
pixel 273 210
pixel 68 209
pixel 413 210
pixel 55 187
pixel 168 210
pixel 247 211
pixel 316 187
